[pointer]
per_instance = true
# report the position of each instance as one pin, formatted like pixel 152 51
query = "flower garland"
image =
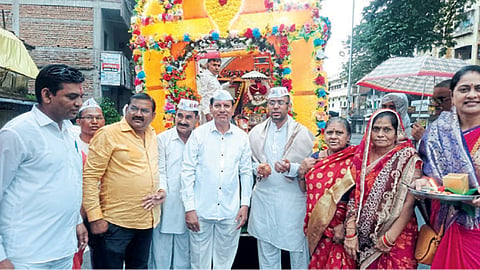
pixel 251 39
pixel 282 5
pixel 320 32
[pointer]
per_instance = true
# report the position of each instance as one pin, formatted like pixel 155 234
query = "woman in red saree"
pixel 326 211
pixel 451 145
pixel 381 229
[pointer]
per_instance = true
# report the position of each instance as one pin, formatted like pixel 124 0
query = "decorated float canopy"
pixel 283 40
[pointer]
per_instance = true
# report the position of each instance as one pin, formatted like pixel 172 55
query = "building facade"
pixel 91 35
pixel 337 99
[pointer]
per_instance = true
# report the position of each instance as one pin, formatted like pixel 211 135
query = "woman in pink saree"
pixel 451 145
pixel 381 229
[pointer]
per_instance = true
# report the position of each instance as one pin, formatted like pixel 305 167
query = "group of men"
pixel 201 179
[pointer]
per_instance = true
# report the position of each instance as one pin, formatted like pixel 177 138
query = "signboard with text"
pixel 110 73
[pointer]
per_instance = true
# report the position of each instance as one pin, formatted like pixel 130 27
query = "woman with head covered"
pixel 399 103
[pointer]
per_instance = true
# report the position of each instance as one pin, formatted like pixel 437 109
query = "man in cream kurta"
pixel 170 242
pixel 278 200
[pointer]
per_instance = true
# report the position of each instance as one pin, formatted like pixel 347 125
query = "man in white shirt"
pixel 216 186
pixel 90 119
pixel 207 84
pixel 41 177
pixel 170 242
pixel 279 144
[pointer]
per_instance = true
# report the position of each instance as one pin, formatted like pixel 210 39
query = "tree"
pixel 402 27
pixel 109 112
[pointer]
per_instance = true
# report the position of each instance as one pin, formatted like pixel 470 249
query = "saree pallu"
pixel 327 182
pixel 446 149
pixel 381 201
pixel 380 193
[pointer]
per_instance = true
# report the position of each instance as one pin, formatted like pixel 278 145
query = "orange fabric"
pixel 127 169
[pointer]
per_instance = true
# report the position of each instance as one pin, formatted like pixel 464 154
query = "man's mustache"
pixel 183 125
pixel 137 118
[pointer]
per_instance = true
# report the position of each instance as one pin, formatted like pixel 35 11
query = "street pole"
pixel 349 93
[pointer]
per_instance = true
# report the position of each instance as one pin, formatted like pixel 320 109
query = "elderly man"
pixel 170 244
pixel 90 118
pixel 123 159
pixel 279 144
pixel 41 177
pixel 441 100
pixel 216 186
pixel 207 85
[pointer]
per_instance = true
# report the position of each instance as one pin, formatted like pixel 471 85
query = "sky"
pixel 340 14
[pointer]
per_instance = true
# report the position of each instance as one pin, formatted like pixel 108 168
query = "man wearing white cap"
pixel 216 186
pixel 90 119
pixel 170 243
pixel 279 144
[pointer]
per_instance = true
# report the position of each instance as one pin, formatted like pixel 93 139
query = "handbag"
pixel 427 244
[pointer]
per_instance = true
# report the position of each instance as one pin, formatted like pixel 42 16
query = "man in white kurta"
pixel 170 242
pixel 216 186
pixel 207 84
pixel 278 201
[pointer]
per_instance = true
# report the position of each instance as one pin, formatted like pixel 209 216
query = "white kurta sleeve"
pixel 162 164
pixel 245 172
pixel 190 162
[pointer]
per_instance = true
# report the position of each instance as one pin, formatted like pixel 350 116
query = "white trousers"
pixel 62 263
pixel 216 241
pixel 269 257
pixel 169 251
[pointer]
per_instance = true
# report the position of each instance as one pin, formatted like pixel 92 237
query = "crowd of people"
pixel 179 199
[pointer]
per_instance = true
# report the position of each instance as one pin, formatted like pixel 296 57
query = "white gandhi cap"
pixel 89 103
pixel 276 92
pixel 188 105
pixel 222 95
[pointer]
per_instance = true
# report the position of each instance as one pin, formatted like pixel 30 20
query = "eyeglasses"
pixel 135 109
pixel 279 102
pixel 90 118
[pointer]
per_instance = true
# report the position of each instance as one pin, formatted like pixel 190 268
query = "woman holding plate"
pixel 381 228
pixel 451 145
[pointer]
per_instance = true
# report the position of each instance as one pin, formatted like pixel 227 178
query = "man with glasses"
pixel 122 191
pixel 41 177
pixel 441 100
pixel 216 186
pixel 279 145
pixel 90 118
